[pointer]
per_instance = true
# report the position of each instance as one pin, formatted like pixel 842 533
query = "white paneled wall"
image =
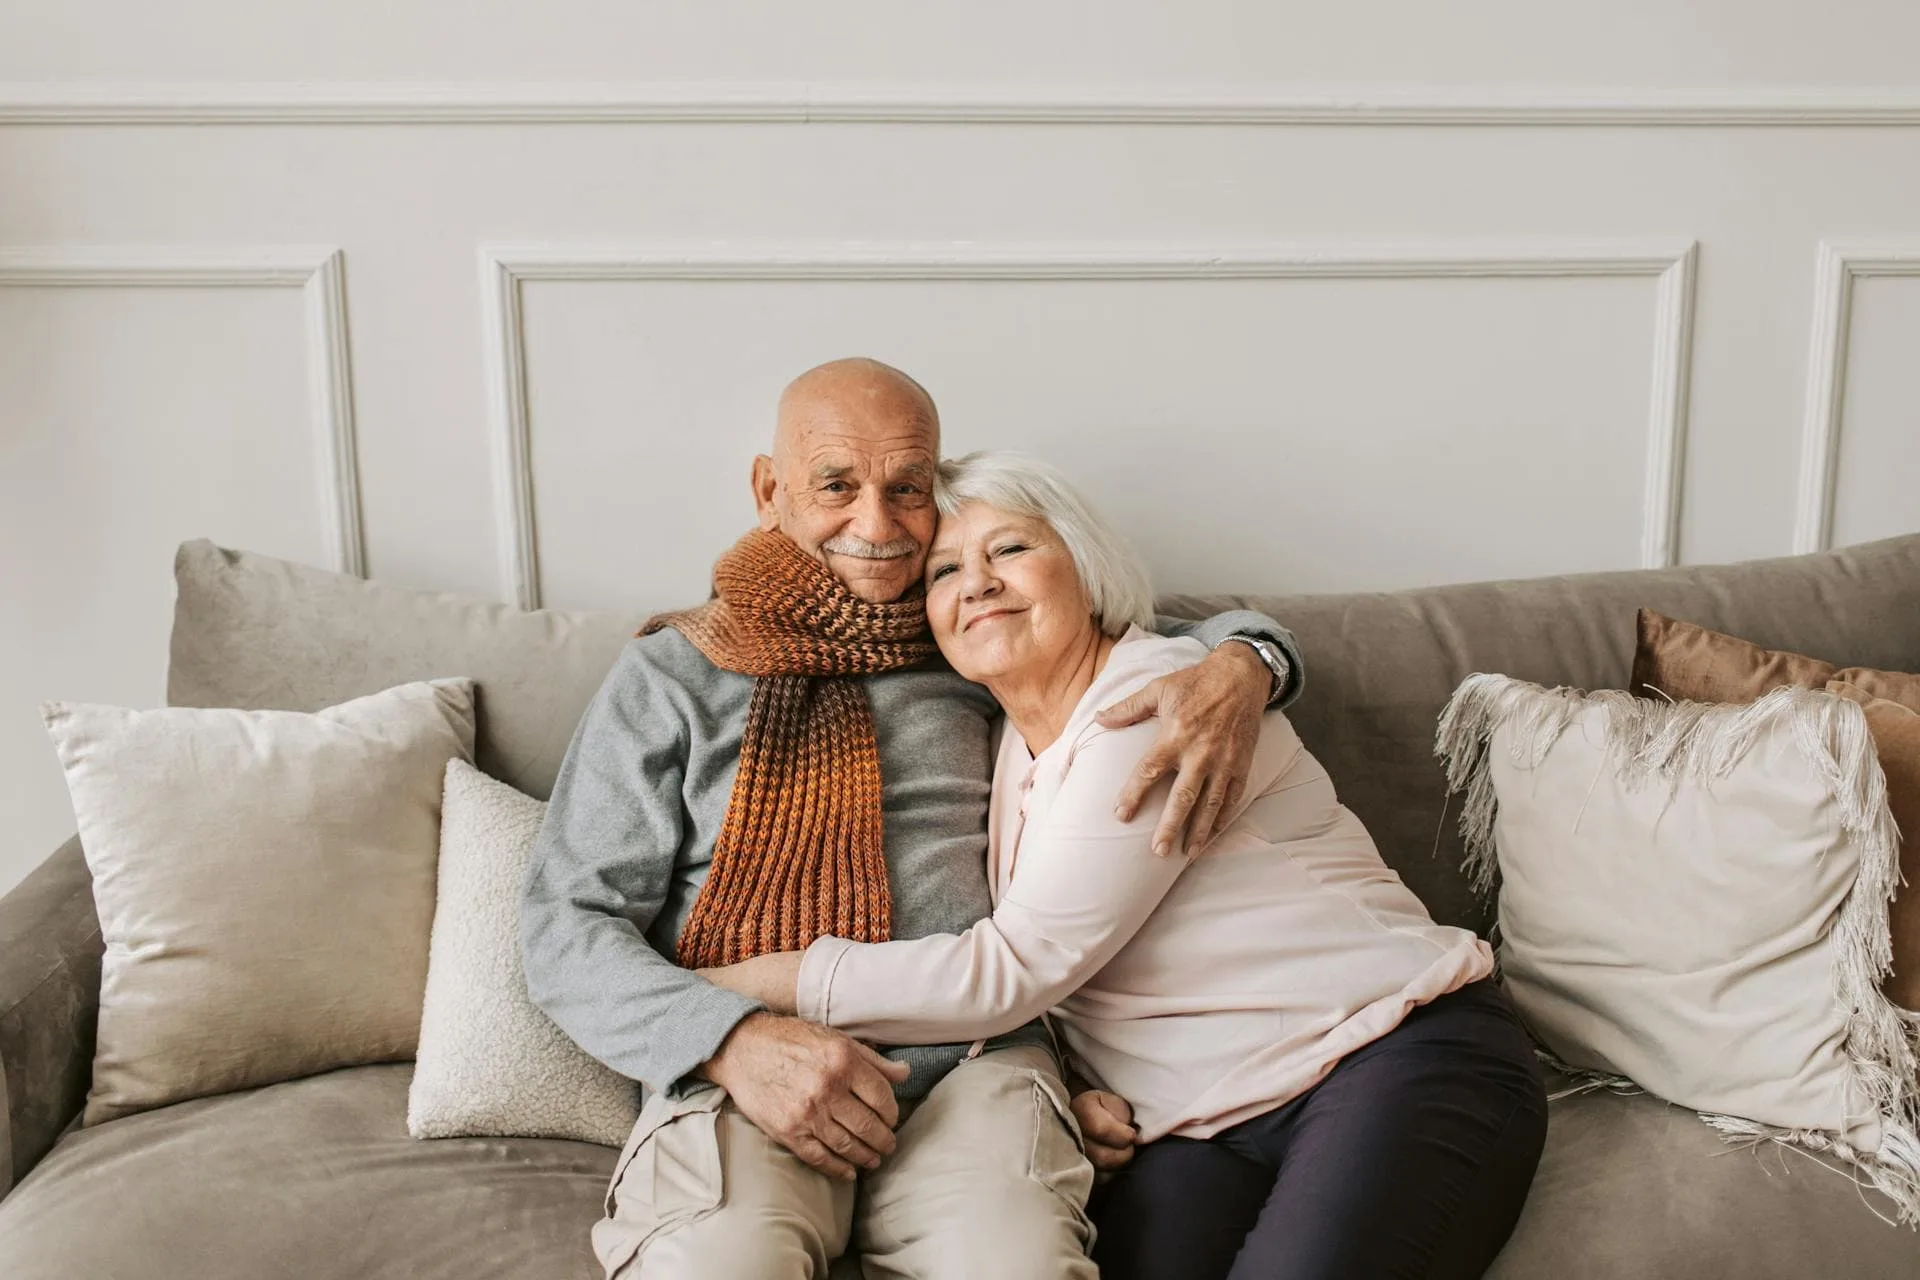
pixel 498 298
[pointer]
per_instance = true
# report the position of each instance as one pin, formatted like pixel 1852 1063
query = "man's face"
pixel 851 480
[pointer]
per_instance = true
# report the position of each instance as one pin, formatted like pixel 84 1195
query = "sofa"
pixel 317 1177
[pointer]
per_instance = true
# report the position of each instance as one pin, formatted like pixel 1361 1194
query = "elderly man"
pixel 792 760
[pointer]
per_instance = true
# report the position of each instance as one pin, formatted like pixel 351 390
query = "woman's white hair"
pixel 1115 580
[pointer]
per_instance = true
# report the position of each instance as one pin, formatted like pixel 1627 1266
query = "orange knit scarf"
pixel 799 854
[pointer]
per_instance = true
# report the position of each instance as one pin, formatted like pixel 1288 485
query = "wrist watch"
pixel 1275 660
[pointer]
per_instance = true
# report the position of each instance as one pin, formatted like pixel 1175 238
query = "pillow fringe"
pixel 1702 742
pixel 1893 1170
pixel 1584 1080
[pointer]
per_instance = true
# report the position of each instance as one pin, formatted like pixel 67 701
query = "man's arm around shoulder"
pixel 1210 724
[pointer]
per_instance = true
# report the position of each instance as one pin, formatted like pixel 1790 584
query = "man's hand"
pixel 1106 1122
pixel 1209 727
pixel 824 1097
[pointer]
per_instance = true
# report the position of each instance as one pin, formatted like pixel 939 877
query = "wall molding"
pixel 1837 267
pixel 505 268
pixel 319 273
pixel 347 103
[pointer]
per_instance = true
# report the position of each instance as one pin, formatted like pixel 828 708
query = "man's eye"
pixel 835 486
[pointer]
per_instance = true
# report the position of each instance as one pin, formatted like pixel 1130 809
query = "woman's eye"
pixel 1010 549
pixel 942 572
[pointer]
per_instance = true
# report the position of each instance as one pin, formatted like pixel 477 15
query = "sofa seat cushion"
pixel 314 1179
pixel 1633 1187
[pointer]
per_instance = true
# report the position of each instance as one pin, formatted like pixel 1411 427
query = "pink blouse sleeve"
pixel 1083 884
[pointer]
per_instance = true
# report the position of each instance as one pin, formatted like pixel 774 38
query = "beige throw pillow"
pixel 1695 897
pixel 491 1064
pixel 265 885
pixel 1896 739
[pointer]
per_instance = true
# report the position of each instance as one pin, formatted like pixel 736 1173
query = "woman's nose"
pixel 977 581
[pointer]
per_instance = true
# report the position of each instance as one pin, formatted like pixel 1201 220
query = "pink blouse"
pixel 1203 993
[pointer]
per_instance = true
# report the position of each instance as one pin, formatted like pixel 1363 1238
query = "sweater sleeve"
pixel 599 875
pixel 1243 622
pixel 1084 884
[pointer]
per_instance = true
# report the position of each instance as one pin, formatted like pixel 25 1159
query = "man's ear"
pixel 765 482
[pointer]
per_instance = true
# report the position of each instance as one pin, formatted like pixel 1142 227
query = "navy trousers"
pixel 1411 1159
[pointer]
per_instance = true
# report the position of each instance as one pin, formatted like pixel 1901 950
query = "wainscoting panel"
pixel 1860 455
pixel 148 396
pixel 622 424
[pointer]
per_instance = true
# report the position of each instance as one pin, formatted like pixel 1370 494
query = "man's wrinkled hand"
pixel 822 1095
pixel 1209 726
pixel 1106 1125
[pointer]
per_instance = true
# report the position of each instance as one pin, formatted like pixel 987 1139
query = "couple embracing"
pixel 894 989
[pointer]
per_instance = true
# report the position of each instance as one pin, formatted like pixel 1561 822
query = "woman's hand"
pixel 1106 1123
pixel 772 979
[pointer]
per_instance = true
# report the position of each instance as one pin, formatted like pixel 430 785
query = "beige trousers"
pixel 988 1179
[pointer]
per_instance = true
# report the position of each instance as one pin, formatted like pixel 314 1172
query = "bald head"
pixel 850 478
pixel 858 386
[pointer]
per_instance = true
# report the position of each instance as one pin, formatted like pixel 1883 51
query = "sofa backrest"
pixel 1381 666
pixel 251 631
pixel 258 633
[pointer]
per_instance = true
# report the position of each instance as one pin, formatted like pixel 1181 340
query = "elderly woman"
pixel 1320 1080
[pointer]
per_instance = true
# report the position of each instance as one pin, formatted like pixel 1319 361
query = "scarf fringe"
pixel 1701 742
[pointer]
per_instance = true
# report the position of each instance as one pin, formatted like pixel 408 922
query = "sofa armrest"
pixel 50 953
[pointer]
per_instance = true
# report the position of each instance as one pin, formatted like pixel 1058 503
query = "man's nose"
pixel 872 518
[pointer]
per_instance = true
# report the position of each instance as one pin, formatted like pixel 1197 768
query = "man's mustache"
pixel 847 544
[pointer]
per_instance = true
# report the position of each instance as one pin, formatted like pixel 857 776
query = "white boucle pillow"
pixel 1695 897
pixel 490 1063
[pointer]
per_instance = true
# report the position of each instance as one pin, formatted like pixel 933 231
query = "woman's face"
pixel 1002 594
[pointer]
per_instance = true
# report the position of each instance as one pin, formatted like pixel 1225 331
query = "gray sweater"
pixel 638 805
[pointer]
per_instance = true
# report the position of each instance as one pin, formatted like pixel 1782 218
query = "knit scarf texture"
pixel 800 853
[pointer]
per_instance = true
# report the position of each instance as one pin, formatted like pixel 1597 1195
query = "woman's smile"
pixel 990 615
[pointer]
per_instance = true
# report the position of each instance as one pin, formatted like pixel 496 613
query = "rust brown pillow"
pixel 1896 740
pixel 1891 686
pixel 1687 663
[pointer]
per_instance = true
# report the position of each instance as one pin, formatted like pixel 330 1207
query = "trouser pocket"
pixel 669 1173
pixel 1058 1160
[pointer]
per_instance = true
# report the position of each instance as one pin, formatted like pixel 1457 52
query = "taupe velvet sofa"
pixel 318 1178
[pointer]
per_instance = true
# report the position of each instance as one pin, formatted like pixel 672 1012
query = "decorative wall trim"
pixel 69 103
pixel 1837 267
pixel 317 272
pixel 505 268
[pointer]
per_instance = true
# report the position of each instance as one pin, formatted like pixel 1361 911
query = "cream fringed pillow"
pixel 264 881
pixel 491 1064
pixel 1695 897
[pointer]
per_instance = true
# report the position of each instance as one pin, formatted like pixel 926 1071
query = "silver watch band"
pixel 1276 662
